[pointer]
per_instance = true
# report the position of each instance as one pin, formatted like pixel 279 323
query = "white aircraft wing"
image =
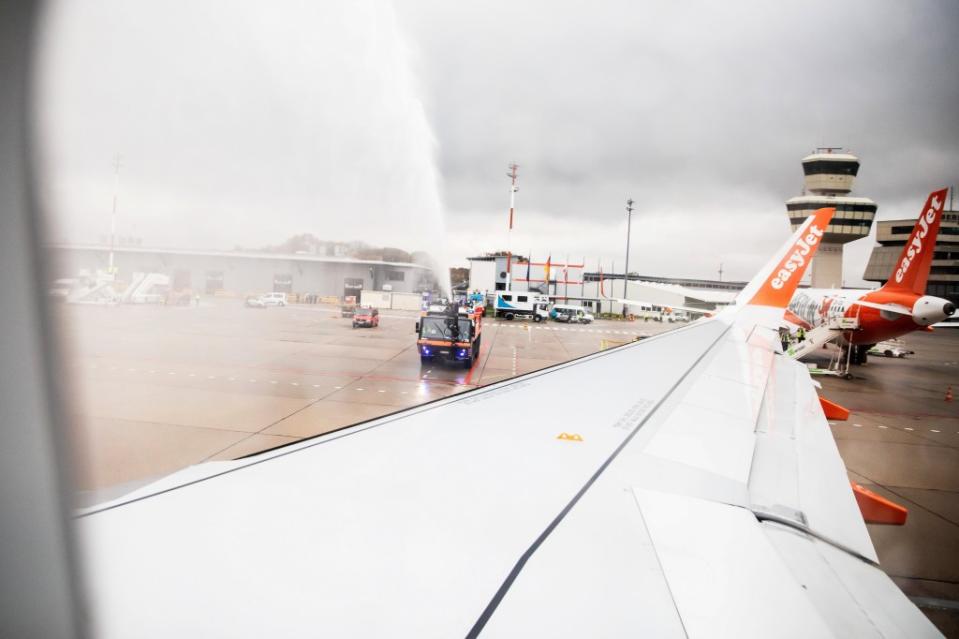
pixel 688 309
pixel 685 485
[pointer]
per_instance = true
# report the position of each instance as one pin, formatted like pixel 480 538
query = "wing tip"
pixel 781 281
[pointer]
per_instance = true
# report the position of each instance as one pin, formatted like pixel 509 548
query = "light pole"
pixel 629 220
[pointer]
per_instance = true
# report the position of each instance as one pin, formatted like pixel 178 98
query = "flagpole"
pixel 509 239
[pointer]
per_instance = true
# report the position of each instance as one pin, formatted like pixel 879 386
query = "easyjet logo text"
pixel 797 258
pixel 915 246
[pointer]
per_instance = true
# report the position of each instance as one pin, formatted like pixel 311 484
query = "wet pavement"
pixel 902 442
pixel 156 389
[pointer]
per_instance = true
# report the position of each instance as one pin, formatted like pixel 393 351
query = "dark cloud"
pixel 242 122
pixel 695 109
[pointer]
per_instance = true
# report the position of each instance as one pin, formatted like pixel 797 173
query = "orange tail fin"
pixel 911 270
pixel 775 284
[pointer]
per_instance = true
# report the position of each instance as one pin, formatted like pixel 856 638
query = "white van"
pixel 273 299
pixel 513 304
pixel 570 314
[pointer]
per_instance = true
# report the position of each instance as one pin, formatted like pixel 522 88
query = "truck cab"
pixel 452 334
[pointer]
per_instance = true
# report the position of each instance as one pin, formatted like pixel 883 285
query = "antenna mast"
pixel 113 215
pixel 513 170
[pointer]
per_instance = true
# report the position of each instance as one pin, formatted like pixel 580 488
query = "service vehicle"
pixel 348 307
pixel 673 315
pixel 570 314
pixel 366 316
pixel 891 348
pixel 450 334
pixel 274 299
pixel 254 301
pixel 514 304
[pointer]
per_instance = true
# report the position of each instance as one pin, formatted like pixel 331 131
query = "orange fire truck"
pixel 449 333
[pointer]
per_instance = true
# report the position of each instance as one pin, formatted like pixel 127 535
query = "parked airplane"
pixel 685 485
pixel 899 307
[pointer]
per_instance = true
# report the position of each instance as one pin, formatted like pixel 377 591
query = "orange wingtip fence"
pixel 876 509
pixel 833 410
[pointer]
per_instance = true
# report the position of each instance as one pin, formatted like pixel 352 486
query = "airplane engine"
pixel 928 310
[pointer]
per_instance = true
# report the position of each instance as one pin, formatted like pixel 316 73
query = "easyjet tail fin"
pixel 775 284
pixel 911 270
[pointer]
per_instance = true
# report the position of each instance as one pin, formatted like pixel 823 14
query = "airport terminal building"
pixel 245 273
pixel 944 275
pixel 595 290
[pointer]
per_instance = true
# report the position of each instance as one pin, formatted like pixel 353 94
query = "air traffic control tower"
pixel 829 175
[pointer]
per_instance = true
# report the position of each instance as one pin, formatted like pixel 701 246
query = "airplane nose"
pixel 948 309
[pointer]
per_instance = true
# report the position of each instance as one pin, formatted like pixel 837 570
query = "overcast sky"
pixel 242 123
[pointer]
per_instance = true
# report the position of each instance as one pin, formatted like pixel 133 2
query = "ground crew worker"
pixel 801 335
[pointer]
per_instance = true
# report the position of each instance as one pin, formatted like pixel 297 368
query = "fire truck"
pixel 450 334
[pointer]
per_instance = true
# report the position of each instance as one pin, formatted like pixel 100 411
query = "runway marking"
pixel 857 425
pixel 211 376
pixel 933 430
pixel 381 391
pixel 881 426
pixel 252 381
pixel 131 370
pixel 294 383
pixel 316 385
pixel 359 389
pixel 273 381
pixel 192 375
pixel 231 379
pixel 907 428
pixel 171 373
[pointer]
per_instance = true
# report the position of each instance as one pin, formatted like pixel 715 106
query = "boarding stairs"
pixel 822 335
pixel 146 288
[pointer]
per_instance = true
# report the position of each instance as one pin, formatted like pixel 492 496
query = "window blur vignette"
pixel 251 205
pixel 207 162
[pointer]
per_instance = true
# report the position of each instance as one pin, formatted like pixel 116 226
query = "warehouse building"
pixel 572 283
pixel 244 273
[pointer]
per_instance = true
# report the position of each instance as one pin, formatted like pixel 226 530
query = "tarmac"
pixel 902 442
pixel 156 389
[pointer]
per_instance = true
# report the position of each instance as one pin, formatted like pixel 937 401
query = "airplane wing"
pixel 685 485
pixel 688 309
